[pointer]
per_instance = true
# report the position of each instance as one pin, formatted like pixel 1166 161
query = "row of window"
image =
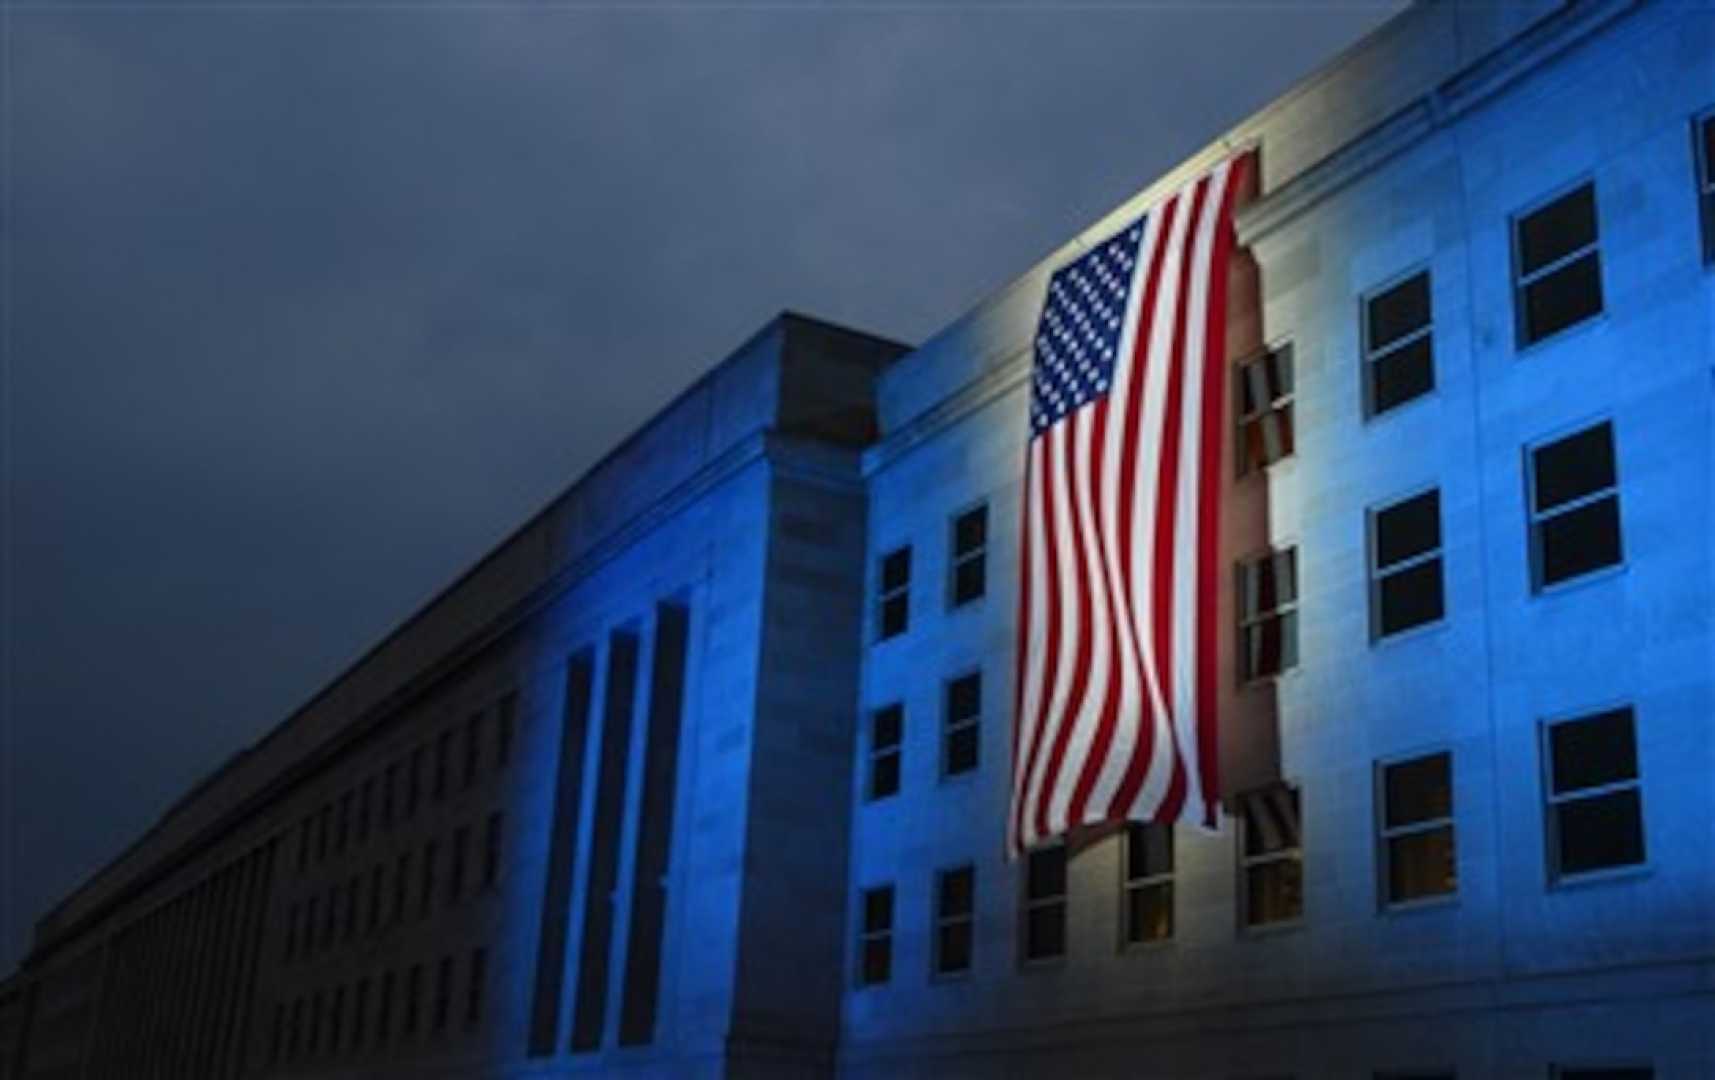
pixel 319 1026
pixel 960 737
pixel 316 924
pixel 1593 824
pixel 1573 530
pixel 347 822
pixel 967 572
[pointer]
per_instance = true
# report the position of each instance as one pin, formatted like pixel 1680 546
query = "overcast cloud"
pixel 310 305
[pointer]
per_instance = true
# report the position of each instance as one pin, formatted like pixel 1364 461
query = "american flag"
pixel 1115 708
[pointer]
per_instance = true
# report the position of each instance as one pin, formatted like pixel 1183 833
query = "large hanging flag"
pixel 1115 707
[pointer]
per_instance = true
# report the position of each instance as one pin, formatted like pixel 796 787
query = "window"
pixel 351 891
pixel 291 949
pixel 1399 348
pixel 472 749
pixel 1574 506
pixel 428 893
pixel 455 876
pixel 1148 903
pixel 1703 131
pixel 887 728
pixel 344 822
pixel 310 927
pixel 413 999
pixel 1265 409
pixel 303 845
pixel 336 1013
pixel 313 1043
pixel 1405 553
pixel 401 880
pixel 359 1013
pixel 963 718
pixel 295 1030
pixel 893 612
pixel 443 754
pixel 1271 861
pixel 1417 852
pixel 414 781
pixel 377 880
pixel 955 915
pixel 875 943
pixel 491 851
pixel 323 827
pixel 1595 801
pixel 478 983
pixel 443 993
pixel 967 571
pixel 384 1011
pixel 505 723
pixel 1045 903
pixel 1558 269
pixel 365 804
pixel 389 795
pixel 1268 615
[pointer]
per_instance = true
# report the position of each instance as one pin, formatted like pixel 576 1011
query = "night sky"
pixel 310 305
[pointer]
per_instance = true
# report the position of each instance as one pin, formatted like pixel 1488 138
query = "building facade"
pixel 703 772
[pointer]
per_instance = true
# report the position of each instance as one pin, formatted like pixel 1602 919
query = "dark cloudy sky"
pixel 311 304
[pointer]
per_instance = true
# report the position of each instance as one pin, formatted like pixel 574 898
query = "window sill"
pixel 1412 633
pixel 1565 333
pixel 1611 875
pixel 1264 931
pixel 1584 580
pixel 1433 394
pixel 1042 964
pixel 1144 948
pixel 1421 904
pixel 940 978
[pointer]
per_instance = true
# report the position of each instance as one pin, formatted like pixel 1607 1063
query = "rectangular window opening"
pixel 1265 409
pixel 1405 565
pixel 1418 859
pixel 1557 265
pixel 1595 796
pixel 893 599
pixel 961 745
pixel 1574 506
pixel 1045 904
pixel 1268 615
pixel 1399 347
pixel 1148 886
pixel 955 919
pixel 1271 858
pixel 967 575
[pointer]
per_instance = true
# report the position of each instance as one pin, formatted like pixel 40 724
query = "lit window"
pixel 955 915
pixel 1268 614
pixel 1417 853
pixel 1045 903
pixel 1704 134
pixel 963 720
pixel 885 749
pixel 1148 882
pixel 1271 862
pixel 893 613
pixel 1265 409
pixel 1405 568
pixel 967 572
pixel 875 944
pixel 1558 265
pixel 1399 348
pixel 1595 800
pixel 1574 506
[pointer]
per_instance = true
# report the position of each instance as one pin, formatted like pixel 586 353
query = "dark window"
pixel 313 1043
pixel 310 926
pixel 455 876
pixel 478 984
pixel 963 724
pixel 1417 850
pixel 1148 903
pixel 504 728
pixel 875 943
pixel 893 601
pixel 330 921
pixel 365 804
pixel 295 1030
pixel 413 999
pixel 414 781
pixel 887 726
pixel 1271 858
pixel 377 880
pixel 401 882
pixel 1399 347
pixel 351 891
pixel 1268 614
pixel 1265 409
pixel 389 795
pixel 1559 271
pixel 291 949
pixel 426 897
pixel 345 802
pixel 967 572
pixel 955 918
pixel 359 1014
pixel 443 755
pixel 556 902
pixel 274 1041
pixel 1045 903
pixel 491 851
pixel 1595 800
pixel 472 749
pixel 384 1011
pixel 303 845
pixel 1703 133
pixel 336 1014
pixel 1405 549
pixel 443 993
pixel 324 826
pixel 1574 506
